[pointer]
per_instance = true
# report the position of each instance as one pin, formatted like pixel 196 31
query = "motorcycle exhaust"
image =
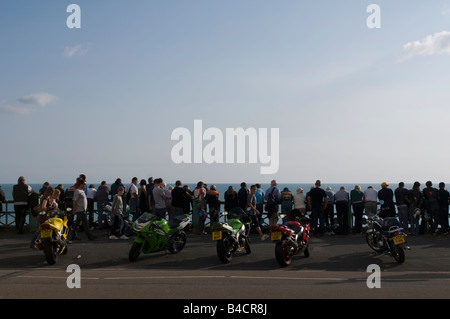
pixel 293 243
pixel 59 241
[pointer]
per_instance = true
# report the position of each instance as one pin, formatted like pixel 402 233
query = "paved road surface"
pixel 336 268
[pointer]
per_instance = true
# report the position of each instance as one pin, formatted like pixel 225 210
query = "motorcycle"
pixel 386 237
pixel 156 234
pixel 291 238
pixel 232 236
pixel 128 225
pixel 52 236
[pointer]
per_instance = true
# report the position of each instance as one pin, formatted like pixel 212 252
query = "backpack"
pixel 272 201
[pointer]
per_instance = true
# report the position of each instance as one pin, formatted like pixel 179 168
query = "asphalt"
pixel 336 269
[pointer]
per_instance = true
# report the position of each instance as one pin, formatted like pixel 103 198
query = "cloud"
pixel 438 43
pixel 77 50
pixel 41 99
pixel 27 104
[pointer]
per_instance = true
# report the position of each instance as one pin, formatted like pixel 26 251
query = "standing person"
pixel 444 198
pixel 179 197
pixel 212 199
pixel 318 200
pixel 259 202
pixel 149 187
pixel 300 201
pixel 329 211
pixel 231 199
pixel 242 195
pixel 62 194
pixel 143 197
pixel 430 195
pixel 253 212
pixel 356 200
pixel 79 208
pixel 20 194
pixel 187 201
pixel 273 198
pixel 342 200
pixel 160 199
pixel 43 188
pixel 402 206
pixel 415 201
pixel 286 203
pixel 370 199
pixel 168 201
pixel 117 228
pixel 386 197
pixel 115 187
pixel 199 195
pixel 132 191
pixel 102 197
pixel 91 194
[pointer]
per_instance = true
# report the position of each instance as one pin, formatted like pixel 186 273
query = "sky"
pixel 352 104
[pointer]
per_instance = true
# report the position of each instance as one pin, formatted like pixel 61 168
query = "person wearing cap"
pixel 386 198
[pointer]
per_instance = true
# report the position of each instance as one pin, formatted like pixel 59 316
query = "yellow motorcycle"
pixel 52 237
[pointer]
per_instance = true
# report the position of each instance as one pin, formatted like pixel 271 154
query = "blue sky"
pixel 353 104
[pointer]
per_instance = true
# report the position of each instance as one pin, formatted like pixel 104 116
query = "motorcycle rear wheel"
pixel 282 254
pixel 398 253
pixel 50 252
pixel 178 241
pixel 223 252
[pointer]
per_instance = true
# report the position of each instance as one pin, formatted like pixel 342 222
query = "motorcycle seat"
pixel 176 221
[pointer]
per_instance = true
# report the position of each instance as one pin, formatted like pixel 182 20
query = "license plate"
pixel 275 235
pixel 217 235
pixel 400 239
pixel 46 233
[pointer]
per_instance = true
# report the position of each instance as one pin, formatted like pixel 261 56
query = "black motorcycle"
pixel 386 237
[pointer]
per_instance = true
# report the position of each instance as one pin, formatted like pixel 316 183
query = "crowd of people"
pixel 417 209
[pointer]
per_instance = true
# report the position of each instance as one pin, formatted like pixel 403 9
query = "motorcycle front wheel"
pixel 50 252
pixel 282 253
pixel 177 242
pixel 135 251
pixel 223 252
pixel 372 241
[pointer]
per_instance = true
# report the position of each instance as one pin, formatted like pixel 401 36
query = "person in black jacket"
pixel 402 206
pixel 431 201
pixel 444 198
pixel 20 195
pixel 415 202
pixel 386 197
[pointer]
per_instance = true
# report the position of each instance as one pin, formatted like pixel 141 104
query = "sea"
pixel 220 187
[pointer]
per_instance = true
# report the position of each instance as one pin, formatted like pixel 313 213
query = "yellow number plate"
pixel 217 235
pixel 275 235
pixel 400 239
pixel 46 233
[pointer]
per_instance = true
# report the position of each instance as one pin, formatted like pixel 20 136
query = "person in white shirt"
pixel 300 201
pixel 133 190
pixel 370 199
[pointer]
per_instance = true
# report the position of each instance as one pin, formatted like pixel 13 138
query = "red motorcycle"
pixel 291 238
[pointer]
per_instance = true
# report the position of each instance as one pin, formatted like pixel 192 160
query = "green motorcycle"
pixel 156 234
pixel 232 236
